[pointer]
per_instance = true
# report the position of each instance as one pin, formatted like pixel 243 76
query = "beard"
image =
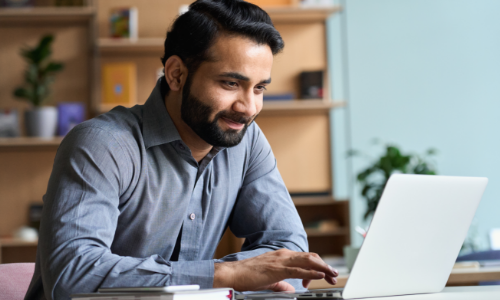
pixel 196 115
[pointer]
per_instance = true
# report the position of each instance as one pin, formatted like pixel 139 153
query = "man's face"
pixel 223 97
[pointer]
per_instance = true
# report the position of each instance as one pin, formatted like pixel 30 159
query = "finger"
pixel 331 280
pixel 281 286
pixel 335 272
pixel 310 261
pixel 290 272
pixel 306 282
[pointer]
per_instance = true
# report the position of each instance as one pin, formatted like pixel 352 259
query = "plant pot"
pixel 41 121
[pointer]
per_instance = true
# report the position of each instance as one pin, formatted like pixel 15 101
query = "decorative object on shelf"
pixel 70 114
pixel 35 215
pixel 374 178
pixel 119 84
pixel 316 3
pixel 311 85
pixel 279 97
pixel 9 123
pixel 323 225
pixel 16 3
pixel 159 73
pixel 26 234
pixel 41 121
pixel 183 9
pixel 69 3
pixel 124 22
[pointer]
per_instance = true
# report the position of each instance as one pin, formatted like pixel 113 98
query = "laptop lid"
pixel 415 235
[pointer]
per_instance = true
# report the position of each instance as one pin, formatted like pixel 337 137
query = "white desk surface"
pixel 454 293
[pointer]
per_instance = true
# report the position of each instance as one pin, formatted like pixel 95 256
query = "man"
pixel 142 196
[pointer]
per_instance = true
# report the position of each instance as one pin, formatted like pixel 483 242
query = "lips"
pixel 232 124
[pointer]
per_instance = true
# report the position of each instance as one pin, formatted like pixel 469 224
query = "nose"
pixel 247 103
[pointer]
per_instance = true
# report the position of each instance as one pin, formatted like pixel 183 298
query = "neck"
pixel 199 148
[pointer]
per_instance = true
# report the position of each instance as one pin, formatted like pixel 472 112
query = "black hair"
pixel 194 32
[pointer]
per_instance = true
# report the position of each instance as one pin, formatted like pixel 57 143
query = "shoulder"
pixel 118 130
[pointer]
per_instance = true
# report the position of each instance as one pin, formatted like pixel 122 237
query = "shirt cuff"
pixel 193 272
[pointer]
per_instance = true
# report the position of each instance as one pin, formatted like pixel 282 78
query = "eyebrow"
pixel 242 77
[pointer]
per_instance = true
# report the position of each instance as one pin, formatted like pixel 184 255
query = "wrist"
pixel 223 275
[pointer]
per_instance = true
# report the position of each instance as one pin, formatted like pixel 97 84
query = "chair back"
pixel 15 280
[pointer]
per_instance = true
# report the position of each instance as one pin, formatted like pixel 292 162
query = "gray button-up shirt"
pixel 125 187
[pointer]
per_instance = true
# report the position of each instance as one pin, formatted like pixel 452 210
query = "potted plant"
pixel 41 121
pixel 374 178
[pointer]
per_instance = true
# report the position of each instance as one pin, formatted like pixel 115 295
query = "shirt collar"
pixel 158 127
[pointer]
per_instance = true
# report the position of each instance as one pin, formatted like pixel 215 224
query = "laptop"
pixel 413 241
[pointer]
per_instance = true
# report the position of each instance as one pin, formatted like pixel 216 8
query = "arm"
pixel 92 169
pixel 266 217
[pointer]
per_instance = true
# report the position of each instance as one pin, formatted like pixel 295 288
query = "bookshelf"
pixel 46 14
pixel 298 130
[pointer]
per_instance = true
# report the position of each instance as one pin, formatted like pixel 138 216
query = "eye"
pixel 261 88
pixel 230 84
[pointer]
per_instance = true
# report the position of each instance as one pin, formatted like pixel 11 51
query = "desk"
pixel 454 293
pixel 458 277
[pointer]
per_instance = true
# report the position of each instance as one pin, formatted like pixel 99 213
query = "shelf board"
pixel 291 106
pixel 299 14
pixel 317 233
pixel 310 104
pixel 46 14
pixel 11 242
pixel 316 201
pixel 30 142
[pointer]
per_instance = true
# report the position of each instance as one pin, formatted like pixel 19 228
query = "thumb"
pixel 281 286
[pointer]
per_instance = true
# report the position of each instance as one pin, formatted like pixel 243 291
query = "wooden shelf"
pixel 11 242
pixel 300 15
pixel 46 14
pixel 316 201
pixel 280 107
pixel 317 233
pixel 277 14
pixel 30 142
pixel 312 105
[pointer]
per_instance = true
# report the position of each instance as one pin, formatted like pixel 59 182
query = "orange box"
pixel 119 84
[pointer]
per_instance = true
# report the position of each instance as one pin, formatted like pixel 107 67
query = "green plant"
pixel 374 178
pixel 39 74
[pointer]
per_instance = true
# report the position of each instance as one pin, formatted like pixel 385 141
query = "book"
pixel 279 97
pixel 203 294
pixel 9 123
pixel 69 115
pixel 16 3
pixel 119 84
pixel 311 85
pixel 123 22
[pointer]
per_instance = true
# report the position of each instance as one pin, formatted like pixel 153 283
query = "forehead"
pixel 232 53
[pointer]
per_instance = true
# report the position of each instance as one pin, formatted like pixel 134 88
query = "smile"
pixel 232 124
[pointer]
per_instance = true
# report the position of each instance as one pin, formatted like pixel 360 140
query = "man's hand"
pixel 267 271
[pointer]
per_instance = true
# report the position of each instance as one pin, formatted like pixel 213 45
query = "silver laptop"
pixel 413 241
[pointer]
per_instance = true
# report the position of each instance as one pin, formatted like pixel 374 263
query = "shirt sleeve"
pixel 80 215
pixel 264 213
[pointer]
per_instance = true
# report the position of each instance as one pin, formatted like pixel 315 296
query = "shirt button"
pixel 182 147
pixel 192 216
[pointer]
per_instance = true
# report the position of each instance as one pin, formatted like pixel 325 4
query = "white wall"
pixel 421 73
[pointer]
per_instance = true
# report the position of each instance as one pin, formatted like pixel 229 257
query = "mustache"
pixel 235 117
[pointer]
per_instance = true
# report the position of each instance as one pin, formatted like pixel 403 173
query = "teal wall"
pixel 420 74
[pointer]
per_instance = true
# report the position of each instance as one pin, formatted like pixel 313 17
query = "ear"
pixel 175 73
